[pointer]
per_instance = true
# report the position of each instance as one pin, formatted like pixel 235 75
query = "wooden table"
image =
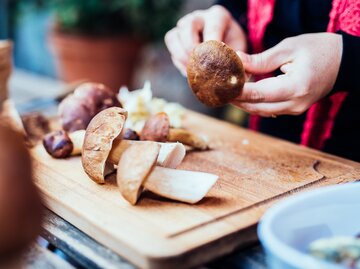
pixel 80 250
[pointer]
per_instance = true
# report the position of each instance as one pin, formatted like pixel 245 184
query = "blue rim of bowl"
pixel 279 248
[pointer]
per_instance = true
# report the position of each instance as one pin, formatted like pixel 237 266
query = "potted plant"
pixel 101 39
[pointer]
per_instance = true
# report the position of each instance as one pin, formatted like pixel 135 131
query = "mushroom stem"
pixel 180 185
pixel 188 138
pixel 157 128
pixel 77 139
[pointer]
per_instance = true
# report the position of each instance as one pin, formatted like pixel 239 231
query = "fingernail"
pixel 183 73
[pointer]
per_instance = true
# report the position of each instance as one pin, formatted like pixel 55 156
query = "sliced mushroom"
pixel 136 170
pixel 170 155
pixel 102 143
pixel 180 185
pixel 157 128
pixel 134 167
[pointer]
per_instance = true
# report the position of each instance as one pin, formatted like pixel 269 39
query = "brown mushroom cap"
pixel 20 203
pixel 135 165
pixel 130 134
pixel 77 109
pixel 100 134
pixel 215 73
pixel 156 128
pixel 58 144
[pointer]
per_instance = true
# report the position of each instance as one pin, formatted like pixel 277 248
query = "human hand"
pixel 215 23
pixel 310 64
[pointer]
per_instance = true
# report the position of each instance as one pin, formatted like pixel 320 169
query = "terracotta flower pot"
pixel 5 68
pixel 109 60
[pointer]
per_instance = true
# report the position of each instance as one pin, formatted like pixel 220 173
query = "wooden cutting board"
pixel 255 171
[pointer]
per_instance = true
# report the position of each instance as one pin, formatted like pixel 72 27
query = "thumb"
pixel 217 21
pixel 264 62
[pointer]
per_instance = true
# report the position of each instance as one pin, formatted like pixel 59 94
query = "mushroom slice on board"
pixel 136 170
pixel 134 167
pixel 103 144
pixel 157 128
pixel 181 185
pixel 170 155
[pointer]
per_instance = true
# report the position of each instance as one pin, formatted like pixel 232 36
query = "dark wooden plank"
pixel 41 258
pixel 250 258
pixel 78 246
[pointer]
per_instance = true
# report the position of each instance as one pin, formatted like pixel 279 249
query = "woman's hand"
pixel 215 23
pixel 310 64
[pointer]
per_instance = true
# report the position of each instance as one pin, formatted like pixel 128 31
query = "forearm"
pixel 348 78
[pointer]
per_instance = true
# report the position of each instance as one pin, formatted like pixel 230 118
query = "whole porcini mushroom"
pixel 102 143
pixel 20 202
pixel 215 73
pixel 88 99
pixel 102 130
pixel 157 128
pixel 60 144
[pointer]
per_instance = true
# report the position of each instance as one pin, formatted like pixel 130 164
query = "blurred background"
pixel 116 42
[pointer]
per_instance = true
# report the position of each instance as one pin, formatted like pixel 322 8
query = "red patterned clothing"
pixel 332 124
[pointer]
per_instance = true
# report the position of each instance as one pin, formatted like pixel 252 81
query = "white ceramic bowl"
pixel 287 229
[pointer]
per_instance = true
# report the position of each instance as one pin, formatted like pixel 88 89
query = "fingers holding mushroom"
pixel 157 128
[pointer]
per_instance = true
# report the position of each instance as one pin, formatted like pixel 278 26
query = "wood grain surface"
pixel 255 171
